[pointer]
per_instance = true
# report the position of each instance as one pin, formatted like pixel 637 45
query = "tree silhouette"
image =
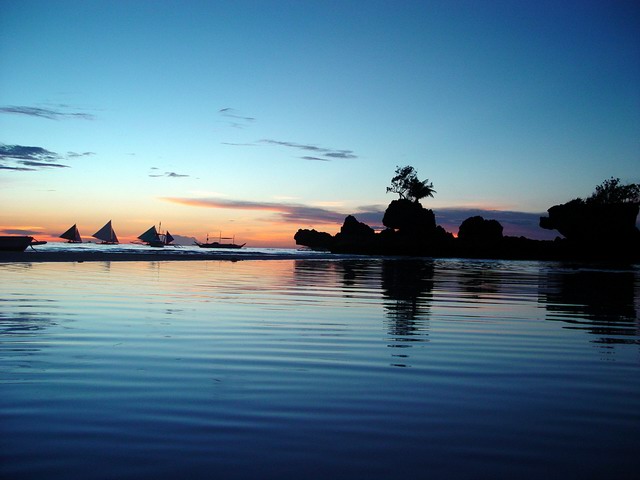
pixel 610 191
pixel 407 185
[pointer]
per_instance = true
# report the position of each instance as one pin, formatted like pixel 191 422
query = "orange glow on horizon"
pixel 267 235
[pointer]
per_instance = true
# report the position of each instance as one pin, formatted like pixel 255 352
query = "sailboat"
pixel 219 243
pixel 106 234
pixel 154 239
pixel 72 235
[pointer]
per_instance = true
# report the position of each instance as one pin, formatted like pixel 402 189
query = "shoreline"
pixel 39 256
pixel 155 256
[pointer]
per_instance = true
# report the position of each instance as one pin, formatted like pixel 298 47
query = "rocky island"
pixel 601 227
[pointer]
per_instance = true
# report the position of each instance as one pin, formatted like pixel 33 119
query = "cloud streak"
pixel 320 154
pixel 328 153
pixel 25 158
pixel 20 231
pixel 47 113
pixel 514 223
pixel 236 119
pixel 167 174
pixel 288 213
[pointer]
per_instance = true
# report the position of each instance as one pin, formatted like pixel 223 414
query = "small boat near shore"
pixel 220 243
pixel 72 235
pixel 14 243
pixel 107 235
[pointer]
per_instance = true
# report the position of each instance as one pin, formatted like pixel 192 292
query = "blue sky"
pixel 258 118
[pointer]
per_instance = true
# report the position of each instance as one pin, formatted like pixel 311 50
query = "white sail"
pixel 73 235
pixel 106 234
pixel 150 235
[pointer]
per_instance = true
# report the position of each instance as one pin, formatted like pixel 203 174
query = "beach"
pixel 150 256
pixel 88 252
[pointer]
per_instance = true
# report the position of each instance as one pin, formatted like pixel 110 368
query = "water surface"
pixel 319 369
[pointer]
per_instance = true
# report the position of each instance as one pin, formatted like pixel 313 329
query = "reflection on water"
pixel 289 369
pixel 599 302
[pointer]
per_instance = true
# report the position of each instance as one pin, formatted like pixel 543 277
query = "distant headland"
pixel 600 227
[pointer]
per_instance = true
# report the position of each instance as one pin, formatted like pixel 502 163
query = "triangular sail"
pixel 106 234
pixel 168 238
pixel 73 235
pixel 150 235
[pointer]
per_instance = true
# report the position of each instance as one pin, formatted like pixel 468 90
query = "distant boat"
pixel 17 243
pixel 72 235
pixel 219 243
pixel 106 234
pixel 154 239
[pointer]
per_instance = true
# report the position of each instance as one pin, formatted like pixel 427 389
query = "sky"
pixel 257 118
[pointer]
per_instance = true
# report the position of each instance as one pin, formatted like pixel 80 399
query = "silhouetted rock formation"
pixel 595 229
pixel 592 231
pixel 314 239
pixel 478 237
pixel 480 231
pixel 411 230
pixel 354 237
pixel 409 217
pixel 581 221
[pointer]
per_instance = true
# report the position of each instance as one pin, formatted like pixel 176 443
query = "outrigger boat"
pixel 154 239
pixel 14 243
pixel 106 234
pixel 72 235
pixel 219 243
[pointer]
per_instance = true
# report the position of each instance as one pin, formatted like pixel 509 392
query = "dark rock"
pixel 314 239
pixel 409 217
pixel 354 237
pixel 352 226
pixel 589 222
pixel 596 231
pixel 477 230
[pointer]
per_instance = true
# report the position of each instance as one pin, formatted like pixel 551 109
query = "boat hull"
pixel 220 245
pixel 17 243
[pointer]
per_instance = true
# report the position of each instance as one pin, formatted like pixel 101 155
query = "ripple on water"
pixel 316 368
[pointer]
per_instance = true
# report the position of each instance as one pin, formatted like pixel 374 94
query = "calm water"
pixel 372 369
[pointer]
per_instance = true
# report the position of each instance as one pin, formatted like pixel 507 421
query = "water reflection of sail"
pixel 601 302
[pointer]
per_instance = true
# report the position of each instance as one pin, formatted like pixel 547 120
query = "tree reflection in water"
pixel 407 286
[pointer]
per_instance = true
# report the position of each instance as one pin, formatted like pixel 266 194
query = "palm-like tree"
pixel 407 185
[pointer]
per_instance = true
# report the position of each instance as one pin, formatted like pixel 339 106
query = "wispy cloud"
pixel 234 118
pixel 319 154
pixel 167 174
pixel 62 112
pixel 20 231
pixel 24 158
pixel 287 212
pixel 328 153
pixel 76 155
pixel 514 223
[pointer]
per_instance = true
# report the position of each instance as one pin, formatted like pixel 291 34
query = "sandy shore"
pixel 30 256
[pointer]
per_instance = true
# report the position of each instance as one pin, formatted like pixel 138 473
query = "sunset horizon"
pixel 257 119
